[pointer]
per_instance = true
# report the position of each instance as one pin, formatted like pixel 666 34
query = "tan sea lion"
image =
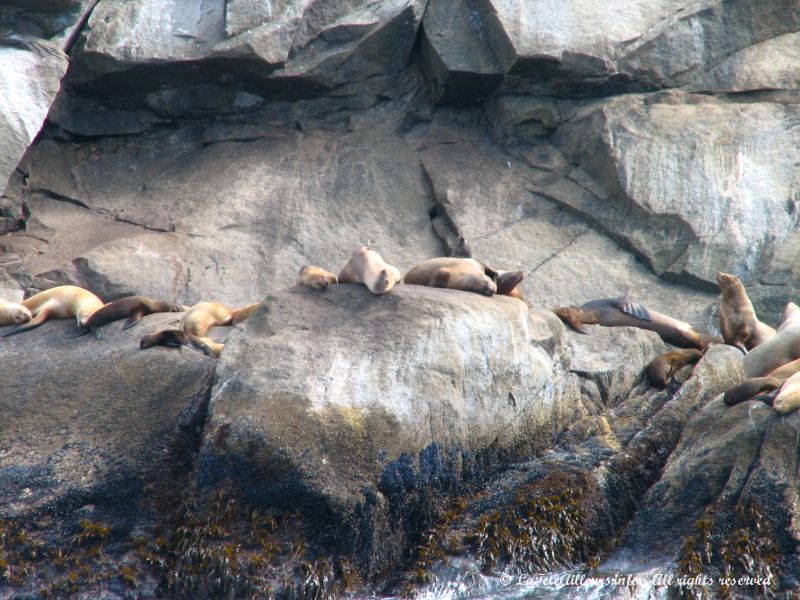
pixel 315 277
pixel 779 350
pixel 738 322
pixel 664 366
pixel 13 313
pixel 204 315
pixel 751 389
pixel 786 371
pixel 368 268
pixel 61 302
pixel 174 338
pixel 624 312
pixel 130 308
pixel 788 398
pixel 466 274
pixel 242 314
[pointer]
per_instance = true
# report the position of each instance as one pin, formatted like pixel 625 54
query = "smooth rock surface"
pixel 323 392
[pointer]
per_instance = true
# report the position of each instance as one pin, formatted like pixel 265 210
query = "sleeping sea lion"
pixel 130 308
pixel 782 348
pixel 624 312
pixel 13 313
pixel 751 389
pixel 242 314
pixel 175 338
pixel 368 268
pixel 737 318
pixel 507 283
pixel 466 274
pixel 788 398
pixel 61 302
pixel 664 366
pixel 315 277
pixel 204 315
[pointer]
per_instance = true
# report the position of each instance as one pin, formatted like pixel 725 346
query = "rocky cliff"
pixel 208 149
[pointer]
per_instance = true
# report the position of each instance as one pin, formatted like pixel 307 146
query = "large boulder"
pixel 92 422
pixel 693 185
pixel 325 399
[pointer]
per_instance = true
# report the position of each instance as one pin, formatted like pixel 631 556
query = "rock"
pixel 94 421
pixel 198 218
pixel 499 203
pixel 325 398
pixel 733 211
pixel 30 73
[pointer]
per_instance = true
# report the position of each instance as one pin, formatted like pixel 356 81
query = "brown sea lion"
pixel 315 277
pixel 624 312
pixel 464 274
pixel 507 283
pixel 664 366
pixel 175 338
pixel 130 308
pixel 367 267
pixel 751 389
pixel 13 313
pixel 61 302
pixel 738 322
pixel 779 350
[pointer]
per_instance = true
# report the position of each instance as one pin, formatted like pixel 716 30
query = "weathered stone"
pixel 693 185
pixel 324 396
pixel 30 73
pixel 225 221
pixel 89 421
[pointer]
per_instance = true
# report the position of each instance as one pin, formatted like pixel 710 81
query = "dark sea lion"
pixel 751 389
pixel 465 274
pixel 175 338
pixel 738 322
pixel 507 282
pixel 664 366
pixel 130 308
pixel 368 268
pixel 624 312
pixel 315 277
pixel 61 302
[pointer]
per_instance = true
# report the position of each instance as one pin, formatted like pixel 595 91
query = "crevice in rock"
pixel 559 251
pixel 60 197
pixel 84 18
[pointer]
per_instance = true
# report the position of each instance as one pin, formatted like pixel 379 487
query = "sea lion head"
pixel 168 337
pixel 489 288
pixel 385 280
pixel 725 281
pixel 20 314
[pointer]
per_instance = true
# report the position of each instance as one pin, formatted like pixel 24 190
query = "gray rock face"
pixel 30 73
pixel 90 421
pixel 323 392
pixel 733 210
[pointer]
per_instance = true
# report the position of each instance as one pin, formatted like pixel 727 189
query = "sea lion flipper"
pixel 133 319
pixel 77 332
pixel 98 333
pixel 490 272
pixel 633 308
pixel 568 314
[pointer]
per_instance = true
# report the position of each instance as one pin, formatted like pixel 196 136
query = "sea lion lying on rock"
pixel 664 366
pixel 61 302
pixel 13 313
pixel 367 267
pixel 315 277
pixel 779 350
pixel 465 274
pixel 624 312
pixel 131 308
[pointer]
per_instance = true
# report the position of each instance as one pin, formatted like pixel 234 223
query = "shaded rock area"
pixel 349 443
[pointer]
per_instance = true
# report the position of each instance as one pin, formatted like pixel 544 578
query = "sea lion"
pixel 779 350
pixel 13 313
pixel 130 308
pixel 204 315
pixel 788 398
pixel 368 268
pixel 664 366
pixel 466 274
pixel 507 283
pixel 175 338
pixel 315 277
pixel 786 371
pixel 624 312
pixel 61 302
pixel 738 322
pixel 242 314
pixel 751 389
